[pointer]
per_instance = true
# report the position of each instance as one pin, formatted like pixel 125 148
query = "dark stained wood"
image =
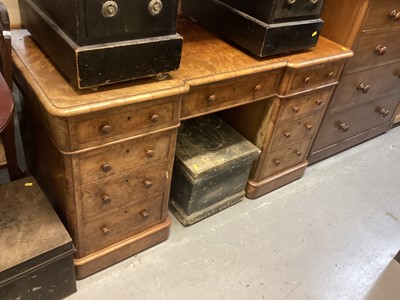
pixel 34 265
pixel 367 96
pixel 256 36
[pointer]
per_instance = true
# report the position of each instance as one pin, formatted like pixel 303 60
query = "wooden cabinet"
pixel 365 101
pixel 105 157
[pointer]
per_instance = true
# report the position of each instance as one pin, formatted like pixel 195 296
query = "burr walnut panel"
pixel 212 97
pixel 132 219
pixel 299 106
pixel 128 121
pixel 293 131
pixel 111 194
pixel 307 78
pixel 282 159
pixel 105 162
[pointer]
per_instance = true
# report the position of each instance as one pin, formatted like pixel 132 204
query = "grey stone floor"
pixel 330 235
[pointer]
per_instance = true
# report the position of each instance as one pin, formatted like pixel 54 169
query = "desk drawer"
pixel 126 222
pixel 213 97
pixel 307 78
pixel 125 122
pixel 301 105
pixel 290 132
pixel 285 158
pixel 383 13
pixel 111 194
pixel 343 124
pixel 375 49
pixel 107 161
pixel 367 85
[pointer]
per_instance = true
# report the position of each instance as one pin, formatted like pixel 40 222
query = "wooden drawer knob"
pixel 105 230
pixel 258 87
pixel 277 162
pixel 148 184
pixel 150 153
pixel 318 101
pixel 307 80
pixel 394 16
pixel 212 98
pixel 287 134
pixel 297 152
pixel 154 118
pixel 296 109
pixel 382 111
pixel 106 200
pixel 144 214
pixel 363 87
pixel 380 50
pixel 106 167
pixel 308 127
pixel 105 129
pixel 344 127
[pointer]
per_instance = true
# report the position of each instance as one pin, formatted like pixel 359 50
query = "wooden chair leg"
pixel 11 152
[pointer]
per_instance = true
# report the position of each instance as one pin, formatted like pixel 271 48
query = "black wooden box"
pixel 256 35
pixel 278 11
pixel 101 42
pixel 212 165
pixel 36 258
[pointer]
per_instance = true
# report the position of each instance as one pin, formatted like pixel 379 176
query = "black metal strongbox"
pixel 262 27
pixel 97 42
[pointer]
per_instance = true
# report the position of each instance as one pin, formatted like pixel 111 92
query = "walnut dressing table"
pixel 105 157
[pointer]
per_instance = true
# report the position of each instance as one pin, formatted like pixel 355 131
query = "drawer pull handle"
pixel 109 9
pixel 382 111
pixel 106 167
pixel 307 80
pixel 144 214
pixel 331 75
pixel 291 1
pixel 318 101
pixel 296 109
pixel 344 127
pixel 150 153
pixel 212 98
pixel 380 50
pixel 258 87
pixel 287 134
pixel 297 152
pixel 105 129
pixel 394 16
pixel 106 200
pixel 148 184
pixel 364 88
pixel 277 162
pixel 154 118
pixel 105 230
pixel 155 7
pixel 313 1
pixel 308 127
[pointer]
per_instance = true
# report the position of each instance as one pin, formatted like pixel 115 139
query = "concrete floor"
pixel 330 235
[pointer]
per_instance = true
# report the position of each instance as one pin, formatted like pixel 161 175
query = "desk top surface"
pixel 206 58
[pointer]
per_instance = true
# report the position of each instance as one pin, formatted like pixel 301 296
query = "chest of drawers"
pixel 365 101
